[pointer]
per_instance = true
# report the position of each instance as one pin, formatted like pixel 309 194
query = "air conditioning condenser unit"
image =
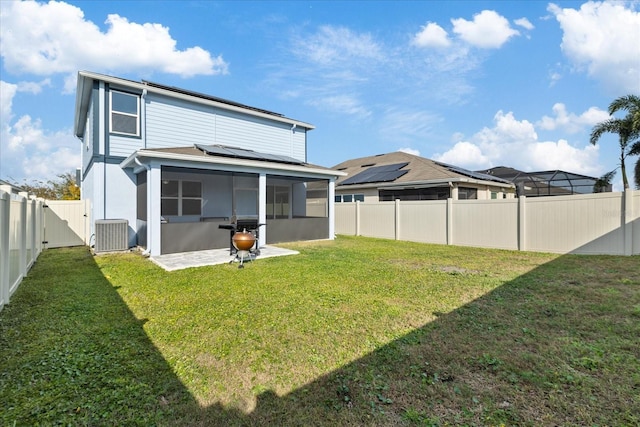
pixel 112 235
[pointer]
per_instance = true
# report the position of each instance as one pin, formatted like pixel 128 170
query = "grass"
pixel 355 331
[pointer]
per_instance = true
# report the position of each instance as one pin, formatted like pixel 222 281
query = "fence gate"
pixel 66 223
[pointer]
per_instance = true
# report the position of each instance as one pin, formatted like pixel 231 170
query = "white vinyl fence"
pixel 21 231
pixel 603 223
pixel 29 225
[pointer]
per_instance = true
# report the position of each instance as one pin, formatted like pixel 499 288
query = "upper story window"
pixel 125 113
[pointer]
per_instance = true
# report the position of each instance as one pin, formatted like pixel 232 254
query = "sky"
pixel 476 84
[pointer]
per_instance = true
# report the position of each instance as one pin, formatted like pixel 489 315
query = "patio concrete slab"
pixel 179 261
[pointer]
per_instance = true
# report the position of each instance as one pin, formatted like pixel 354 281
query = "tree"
pixel 62 188
pixel 627 128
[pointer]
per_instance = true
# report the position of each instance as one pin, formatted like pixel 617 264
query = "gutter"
pixel 426 184
pixel 133 159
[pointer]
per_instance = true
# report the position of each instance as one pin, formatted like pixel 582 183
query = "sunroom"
pixel 187 195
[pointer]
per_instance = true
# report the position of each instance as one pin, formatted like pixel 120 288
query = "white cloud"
pixel 405 126
pixel 432 35
pixel 570 122
pixel 602 37
pixel 337 45
pixel 343 104
pixel 32 153
pixel 465 154
pixel 27 151
pixel 54 37
pixel 7 92
pixel 409 151
pixel 487 30
pixel 524 23
pixel 514 143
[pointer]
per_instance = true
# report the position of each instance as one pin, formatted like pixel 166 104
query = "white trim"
pixel 270 166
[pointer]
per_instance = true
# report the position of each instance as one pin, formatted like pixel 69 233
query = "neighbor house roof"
pixel 87 78
pixel 403 170
pixel 229 156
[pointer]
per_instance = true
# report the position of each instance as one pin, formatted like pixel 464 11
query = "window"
pixel 466 193
pixel 430 193
pixel 125 111
pixel 179 198
pixel 346 198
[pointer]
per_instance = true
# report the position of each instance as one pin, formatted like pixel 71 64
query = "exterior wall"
pixel 603 223
pixel 171 123
pixel 112 194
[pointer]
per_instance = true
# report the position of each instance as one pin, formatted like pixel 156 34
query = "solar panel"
pixel 241 153
pixel 384 173
pixel 471 174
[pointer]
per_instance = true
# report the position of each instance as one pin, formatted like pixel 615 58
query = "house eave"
pixel 145 156
pixel 86 77
pixel 424 184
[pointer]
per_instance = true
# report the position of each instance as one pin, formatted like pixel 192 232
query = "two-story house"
pixel 177 164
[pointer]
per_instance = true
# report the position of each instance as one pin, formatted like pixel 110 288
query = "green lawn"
pixel 354 331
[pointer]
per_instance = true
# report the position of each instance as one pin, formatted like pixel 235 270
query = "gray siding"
pixel 124 146
pixel 172 123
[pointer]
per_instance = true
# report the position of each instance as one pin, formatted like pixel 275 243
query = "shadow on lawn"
pixel 543 349
pixel 555 346
pixel 73 353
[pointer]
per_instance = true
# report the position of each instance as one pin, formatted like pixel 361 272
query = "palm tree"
pixel 627 128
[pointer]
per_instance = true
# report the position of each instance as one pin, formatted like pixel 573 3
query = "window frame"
pixel 355 197
pixel 113 111
pixel 180 198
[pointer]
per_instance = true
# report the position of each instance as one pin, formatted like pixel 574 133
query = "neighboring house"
pixel 403 176
pixel 546 183
pixel 177 164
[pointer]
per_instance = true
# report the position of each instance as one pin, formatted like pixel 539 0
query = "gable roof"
pixel 403 169
pixel 87 78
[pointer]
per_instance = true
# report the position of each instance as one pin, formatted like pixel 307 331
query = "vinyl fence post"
pixel 23 233
pixel 522 218
pixel 449 221
pixel 5 211
pixel 397 219
pixel 357 217
pixel 32 243
pixel 627 221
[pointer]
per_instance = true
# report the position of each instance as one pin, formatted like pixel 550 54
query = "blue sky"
pixel 472 83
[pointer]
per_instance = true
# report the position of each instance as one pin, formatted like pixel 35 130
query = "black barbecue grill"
pixel 239 224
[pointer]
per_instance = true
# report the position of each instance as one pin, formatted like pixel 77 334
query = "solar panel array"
pixel 471 174
pixel 384 173
pixel 240 153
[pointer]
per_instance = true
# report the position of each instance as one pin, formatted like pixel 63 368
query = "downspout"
pixel 147 251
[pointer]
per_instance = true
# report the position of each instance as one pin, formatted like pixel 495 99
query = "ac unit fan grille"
pixel 112 235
